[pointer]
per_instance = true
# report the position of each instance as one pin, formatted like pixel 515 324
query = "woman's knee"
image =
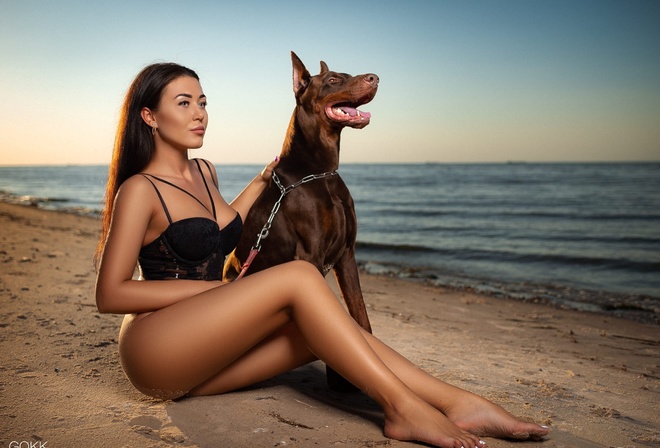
pixel 302 270
pixel 298 276
pixel 304 265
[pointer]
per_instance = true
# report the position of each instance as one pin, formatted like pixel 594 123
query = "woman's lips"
pixel 199 130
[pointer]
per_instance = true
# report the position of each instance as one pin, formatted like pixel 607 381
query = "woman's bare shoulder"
pixel 136 183
pixel 136 191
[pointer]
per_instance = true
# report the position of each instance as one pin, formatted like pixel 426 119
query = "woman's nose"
pixel 198 114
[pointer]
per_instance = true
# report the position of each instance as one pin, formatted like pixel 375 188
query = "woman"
pixel 187 333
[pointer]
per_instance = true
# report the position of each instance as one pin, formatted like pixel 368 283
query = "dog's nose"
pixel 372 79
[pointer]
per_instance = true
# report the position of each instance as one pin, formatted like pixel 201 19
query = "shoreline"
pixel 594 379
pixel 637 307
pixel 604 303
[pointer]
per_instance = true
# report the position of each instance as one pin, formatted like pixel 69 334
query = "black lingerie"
pixel 191 248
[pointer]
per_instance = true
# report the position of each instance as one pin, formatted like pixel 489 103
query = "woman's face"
pixel 181 118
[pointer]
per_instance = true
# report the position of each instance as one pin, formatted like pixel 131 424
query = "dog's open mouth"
pixel 347 114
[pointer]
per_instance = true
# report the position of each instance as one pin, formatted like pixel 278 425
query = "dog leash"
pixel 266 228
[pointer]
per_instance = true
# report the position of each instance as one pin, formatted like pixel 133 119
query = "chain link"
pixel 283 192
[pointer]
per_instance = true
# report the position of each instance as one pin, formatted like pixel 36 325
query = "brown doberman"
pixel 315 220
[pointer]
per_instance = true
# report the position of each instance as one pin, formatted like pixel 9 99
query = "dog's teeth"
pixel 358 113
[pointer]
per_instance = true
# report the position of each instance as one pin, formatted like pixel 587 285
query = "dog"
pixel 315 220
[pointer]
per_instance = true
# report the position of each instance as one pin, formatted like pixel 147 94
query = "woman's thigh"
pixel 184 345
pixel 280 352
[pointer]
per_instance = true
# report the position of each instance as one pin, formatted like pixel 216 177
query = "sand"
pixel 594 379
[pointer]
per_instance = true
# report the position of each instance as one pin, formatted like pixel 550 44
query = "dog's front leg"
pixel 348 280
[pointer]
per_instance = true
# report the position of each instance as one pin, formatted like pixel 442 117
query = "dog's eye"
pixel 333 80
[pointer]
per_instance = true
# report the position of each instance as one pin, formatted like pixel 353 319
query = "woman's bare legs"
pixel 467 410
pixel 286 350
pixel 182 346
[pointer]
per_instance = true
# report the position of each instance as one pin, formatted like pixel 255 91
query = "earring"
pixel 153 130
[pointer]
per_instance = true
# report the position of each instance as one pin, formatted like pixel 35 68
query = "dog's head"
pixel 336 95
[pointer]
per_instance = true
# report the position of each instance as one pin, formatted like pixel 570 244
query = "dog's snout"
pixel 372 79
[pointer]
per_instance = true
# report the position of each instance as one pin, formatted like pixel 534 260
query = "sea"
pixel 583 236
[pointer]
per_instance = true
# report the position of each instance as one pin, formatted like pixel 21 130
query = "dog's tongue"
pixel 353 112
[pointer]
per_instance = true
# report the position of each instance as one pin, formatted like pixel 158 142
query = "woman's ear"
pixel 148 117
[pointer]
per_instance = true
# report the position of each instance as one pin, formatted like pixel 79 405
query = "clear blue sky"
pixel 461 81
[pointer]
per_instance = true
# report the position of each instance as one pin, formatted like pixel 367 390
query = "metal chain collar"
pixel 266 228
pixel 283 192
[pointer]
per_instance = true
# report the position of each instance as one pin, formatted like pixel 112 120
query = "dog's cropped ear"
pixel 324 68
pixel 301 76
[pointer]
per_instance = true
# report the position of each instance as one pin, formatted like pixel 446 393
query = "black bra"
pixel 191 248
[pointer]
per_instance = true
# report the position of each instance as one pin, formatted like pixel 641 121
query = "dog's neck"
pixel 296 151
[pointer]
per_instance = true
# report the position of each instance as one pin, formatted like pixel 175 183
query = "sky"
pixel 460 81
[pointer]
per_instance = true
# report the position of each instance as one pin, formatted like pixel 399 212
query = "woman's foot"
pixel 418 421
pixel 480 416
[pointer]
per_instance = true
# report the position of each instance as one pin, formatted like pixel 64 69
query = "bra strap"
pixel 208 167
pixel 162 201
pixel 180 189
pixel 206 184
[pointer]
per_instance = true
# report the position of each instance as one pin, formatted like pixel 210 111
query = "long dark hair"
pixel 134 143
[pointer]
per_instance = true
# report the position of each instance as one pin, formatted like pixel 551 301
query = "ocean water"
pixel 582 236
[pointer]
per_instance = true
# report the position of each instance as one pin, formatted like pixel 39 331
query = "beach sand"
pixel 593 379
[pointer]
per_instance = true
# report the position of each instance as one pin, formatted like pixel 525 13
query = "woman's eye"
pixel 184 103
pixel 203 104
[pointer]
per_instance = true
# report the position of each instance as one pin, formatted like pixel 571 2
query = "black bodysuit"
pixel 191 248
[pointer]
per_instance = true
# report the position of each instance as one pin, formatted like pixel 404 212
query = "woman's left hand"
pixel 267 173
pixel 246 198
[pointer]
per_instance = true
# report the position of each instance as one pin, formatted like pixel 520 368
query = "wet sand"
pixel 593 379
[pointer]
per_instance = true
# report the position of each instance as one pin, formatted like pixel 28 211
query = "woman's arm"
pixel 251 192
pixel 116 291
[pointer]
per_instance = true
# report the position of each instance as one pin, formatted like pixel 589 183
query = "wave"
pixel 7 196
pixel 491 212
pixel 393 247
pixel 65 205
pixel 601 263
pixel 468 254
